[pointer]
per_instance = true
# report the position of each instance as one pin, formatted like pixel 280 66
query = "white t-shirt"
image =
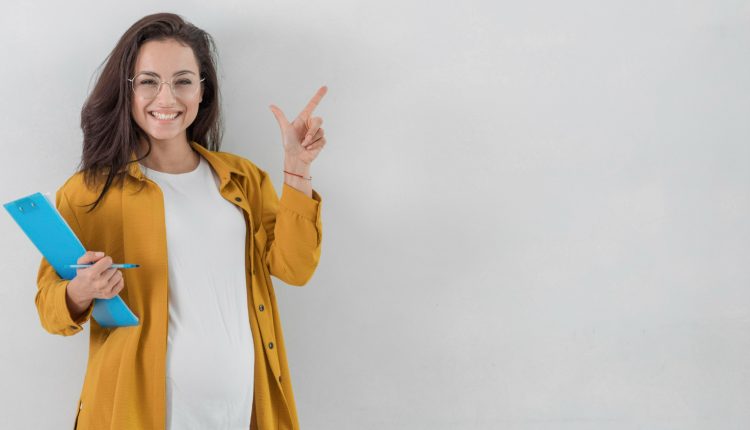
pixel 210 356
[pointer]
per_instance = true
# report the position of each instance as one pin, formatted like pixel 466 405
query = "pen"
pixel 114 266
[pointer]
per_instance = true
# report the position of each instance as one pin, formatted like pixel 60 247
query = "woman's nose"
pixel 165 88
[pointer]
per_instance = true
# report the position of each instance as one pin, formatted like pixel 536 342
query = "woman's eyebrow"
pixel 181 72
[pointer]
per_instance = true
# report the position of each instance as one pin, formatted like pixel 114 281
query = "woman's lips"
pixel 153 115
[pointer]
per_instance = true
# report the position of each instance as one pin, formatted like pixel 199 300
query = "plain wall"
pixel 535 214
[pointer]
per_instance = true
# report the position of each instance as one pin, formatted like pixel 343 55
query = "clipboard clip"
pixel 25 205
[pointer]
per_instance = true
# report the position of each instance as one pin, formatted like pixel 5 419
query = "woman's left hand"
pixel 302 138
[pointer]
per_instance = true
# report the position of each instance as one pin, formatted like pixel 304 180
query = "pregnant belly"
pixel 212 367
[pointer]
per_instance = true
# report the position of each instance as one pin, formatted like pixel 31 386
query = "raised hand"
pixel 302 138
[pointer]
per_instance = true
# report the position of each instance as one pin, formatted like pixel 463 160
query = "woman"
pixel 207 229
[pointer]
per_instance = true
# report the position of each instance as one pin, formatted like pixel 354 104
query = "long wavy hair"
pixel 110 134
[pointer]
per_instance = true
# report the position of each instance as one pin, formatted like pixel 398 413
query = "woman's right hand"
pixel 96 282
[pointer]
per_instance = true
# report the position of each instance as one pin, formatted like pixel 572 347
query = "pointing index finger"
pixel 313 103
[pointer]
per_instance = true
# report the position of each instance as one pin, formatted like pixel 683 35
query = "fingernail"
pixel 99 253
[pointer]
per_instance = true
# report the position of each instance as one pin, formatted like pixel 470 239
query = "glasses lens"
pixel 185 87
pixel 145 86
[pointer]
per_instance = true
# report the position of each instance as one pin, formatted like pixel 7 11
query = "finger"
pixel 120 287
pixel 316 145
pixel 313 103
pixel 310 141
pixel 313 125
pixel 116 288
pixel 111 292
pixel 112 283
pixel 90 257
pixel 100 266
pixel 111 273
pixel 280 117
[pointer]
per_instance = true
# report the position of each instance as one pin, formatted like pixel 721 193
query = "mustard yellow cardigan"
pixel 125 382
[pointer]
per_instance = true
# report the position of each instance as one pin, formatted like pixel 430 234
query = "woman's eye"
pixel 147 82
pixel 184 82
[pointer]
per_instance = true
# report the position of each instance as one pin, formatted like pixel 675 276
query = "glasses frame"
pixel 158 89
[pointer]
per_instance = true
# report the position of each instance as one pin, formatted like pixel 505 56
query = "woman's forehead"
pixel 165 58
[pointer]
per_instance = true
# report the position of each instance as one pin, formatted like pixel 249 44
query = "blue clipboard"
pixel 45 227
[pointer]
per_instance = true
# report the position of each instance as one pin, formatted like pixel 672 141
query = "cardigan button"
pixel 270 345
pixel 261 307
pixel 237 199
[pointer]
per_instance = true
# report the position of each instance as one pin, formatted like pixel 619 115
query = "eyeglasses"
pixel 148 86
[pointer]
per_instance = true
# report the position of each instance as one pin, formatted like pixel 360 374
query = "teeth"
pixel 162 116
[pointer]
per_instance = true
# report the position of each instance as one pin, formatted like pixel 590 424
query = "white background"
pixel 535 214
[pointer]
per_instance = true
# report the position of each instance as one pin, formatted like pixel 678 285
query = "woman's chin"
pixel 161 135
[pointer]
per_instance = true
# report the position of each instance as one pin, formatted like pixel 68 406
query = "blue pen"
pixel 114 266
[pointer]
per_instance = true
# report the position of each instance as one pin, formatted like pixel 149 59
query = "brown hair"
pixel 110 135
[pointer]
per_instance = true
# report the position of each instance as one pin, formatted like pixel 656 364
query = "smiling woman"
pixel 159 45
pixel 208 230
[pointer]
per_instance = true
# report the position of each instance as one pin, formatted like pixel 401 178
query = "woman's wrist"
pixel 297 167
pixel 76 305
pixel 297 176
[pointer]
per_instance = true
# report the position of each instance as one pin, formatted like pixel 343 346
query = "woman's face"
pixel 167 60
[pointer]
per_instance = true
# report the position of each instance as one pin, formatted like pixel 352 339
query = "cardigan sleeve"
pixel 50 297
pixel 293 230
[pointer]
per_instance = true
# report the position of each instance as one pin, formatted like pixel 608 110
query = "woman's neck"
pixel 176 156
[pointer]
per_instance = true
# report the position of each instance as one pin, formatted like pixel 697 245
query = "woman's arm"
pixel 293 229
pixel 292 225
pixel 52 299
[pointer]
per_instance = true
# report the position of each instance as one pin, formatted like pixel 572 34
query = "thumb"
pixel 90 257
pixel 280 118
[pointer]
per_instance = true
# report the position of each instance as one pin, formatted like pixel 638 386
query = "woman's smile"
pixel 164 117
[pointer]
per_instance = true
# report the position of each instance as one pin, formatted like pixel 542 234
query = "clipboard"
pixel 40 220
